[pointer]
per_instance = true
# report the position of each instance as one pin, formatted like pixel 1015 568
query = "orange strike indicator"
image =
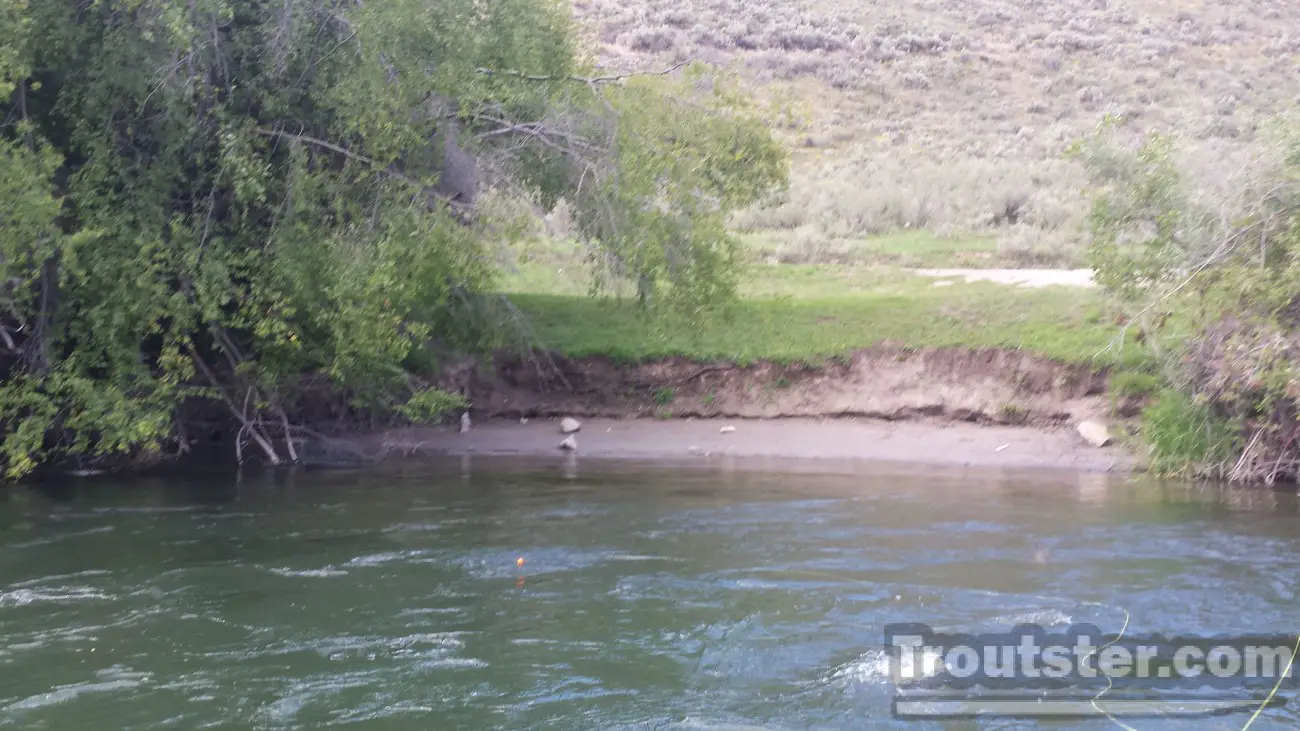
pixel 520 562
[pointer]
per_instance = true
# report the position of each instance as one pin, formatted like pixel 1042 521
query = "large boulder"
pixel 569 425
pixel 1094 433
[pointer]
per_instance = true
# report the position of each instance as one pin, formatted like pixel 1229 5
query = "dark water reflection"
pixel 651 596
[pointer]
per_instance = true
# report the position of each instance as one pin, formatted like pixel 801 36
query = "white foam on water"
pixel 413 528
pixel 385 710
pixel 637 557
pixel 64 536
pixel 286 708
pixel 1041 617
pixel 441 639
pixel 691 722
pixel 320 573
pixel 58 577
pixel 430 610
pixel 60 595
pixel 453 663
pixel 110 680
pixel 873 668
pixel 755 584
pixel 44 639
pixel 379 559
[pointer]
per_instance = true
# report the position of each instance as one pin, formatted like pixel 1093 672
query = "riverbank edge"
pixel 989 386
pixel 765 444
pixel 940 406
pixel 954 406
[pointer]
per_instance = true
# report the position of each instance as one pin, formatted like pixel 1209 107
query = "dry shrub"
pixel 872 194
pixel 1032 247
pixel 650 40
pixel 1072 42
pixel 1247 372
pixel 804 39
pixel 782 217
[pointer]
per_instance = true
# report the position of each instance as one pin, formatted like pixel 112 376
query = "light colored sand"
pixel 1020 277
pixel 939 444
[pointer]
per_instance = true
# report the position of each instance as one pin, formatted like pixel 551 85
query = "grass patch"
pixel 1134 384
pixel 811 314
pixel 1186 438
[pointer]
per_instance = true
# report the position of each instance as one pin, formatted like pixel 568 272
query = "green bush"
pixel 1186 437
pixel 1216 292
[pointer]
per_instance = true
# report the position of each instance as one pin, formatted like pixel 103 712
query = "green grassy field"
pixel 813 312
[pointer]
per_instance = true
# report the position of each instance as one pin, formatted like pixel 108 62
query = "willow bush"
pixel 245 204
pixel 1212 283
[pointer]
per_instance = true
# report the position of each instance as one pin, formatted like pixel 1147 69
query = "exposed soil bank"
pixel 953 384
pixel 950 406
pixel 917 442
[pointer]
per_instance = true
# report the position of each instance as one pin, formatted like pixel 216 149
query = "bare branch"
pixel 288 438
pixel 247 425
pixel 540 131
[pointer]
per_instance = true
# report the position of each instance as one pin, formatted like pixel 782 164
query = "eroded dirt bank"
pixel 952 407
pixel 758 443
pixel 948 384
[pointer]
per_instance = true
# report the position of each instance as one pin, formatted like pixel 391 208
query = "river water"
pixel 650 596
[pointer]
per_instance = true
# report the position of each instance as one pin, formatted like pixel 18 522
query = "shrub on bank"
pixel 1214 285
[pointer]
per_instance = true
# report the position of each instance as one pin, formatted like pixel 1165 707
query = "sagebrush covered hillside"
pixel 953 116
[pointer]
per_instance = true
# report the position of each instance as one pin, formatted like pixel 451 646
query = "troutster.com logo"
pixel 1079 672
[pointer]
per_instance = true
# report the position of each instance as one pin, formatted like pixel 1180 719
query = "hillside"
pixel 953 116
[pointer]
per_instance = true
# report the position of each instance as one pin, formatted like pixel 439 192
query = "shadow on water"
pixel 719 593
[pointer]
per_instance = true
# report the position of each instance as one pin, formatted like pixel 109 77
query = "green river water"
pixel 652 596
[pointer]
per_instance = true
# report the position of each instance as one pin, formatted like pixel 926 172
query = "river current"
pixel 551 594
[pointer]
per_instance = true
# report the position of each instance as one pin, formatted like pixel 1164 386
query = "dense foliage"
pixel 1213 284
pixel 250 203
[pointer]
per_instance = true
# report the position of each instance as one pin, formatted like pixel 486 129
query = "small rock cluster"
pixel 570 426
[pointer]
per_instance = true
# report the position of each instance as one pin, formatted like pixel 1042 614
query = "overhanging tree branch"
pixel 369 162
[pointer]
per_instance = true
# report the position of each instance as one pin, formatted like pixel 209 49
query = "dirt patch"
pixel 1018 277
pixel 772 444
pixel 989 386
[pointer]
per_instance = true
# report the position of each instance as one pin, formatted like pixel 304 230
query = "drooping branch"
pixel 369 162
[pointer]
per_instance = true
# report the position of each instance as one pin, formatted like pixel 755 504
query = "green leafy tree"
pixel 252 204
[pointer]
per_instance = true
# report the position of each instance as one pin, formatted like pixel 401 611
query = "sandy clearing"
pixel 1019 277
pixel 912 442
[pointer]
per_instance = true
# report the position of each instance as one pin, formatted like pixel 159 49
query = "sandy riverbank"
pixel 939 444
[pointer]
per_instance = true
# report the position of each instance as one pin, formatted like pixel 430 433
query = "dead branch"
pixel 288 437
pixel 538 130
pixel 241 415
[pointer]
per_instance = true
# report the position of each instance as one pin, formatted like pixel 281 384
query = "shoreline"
pixel 935 444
